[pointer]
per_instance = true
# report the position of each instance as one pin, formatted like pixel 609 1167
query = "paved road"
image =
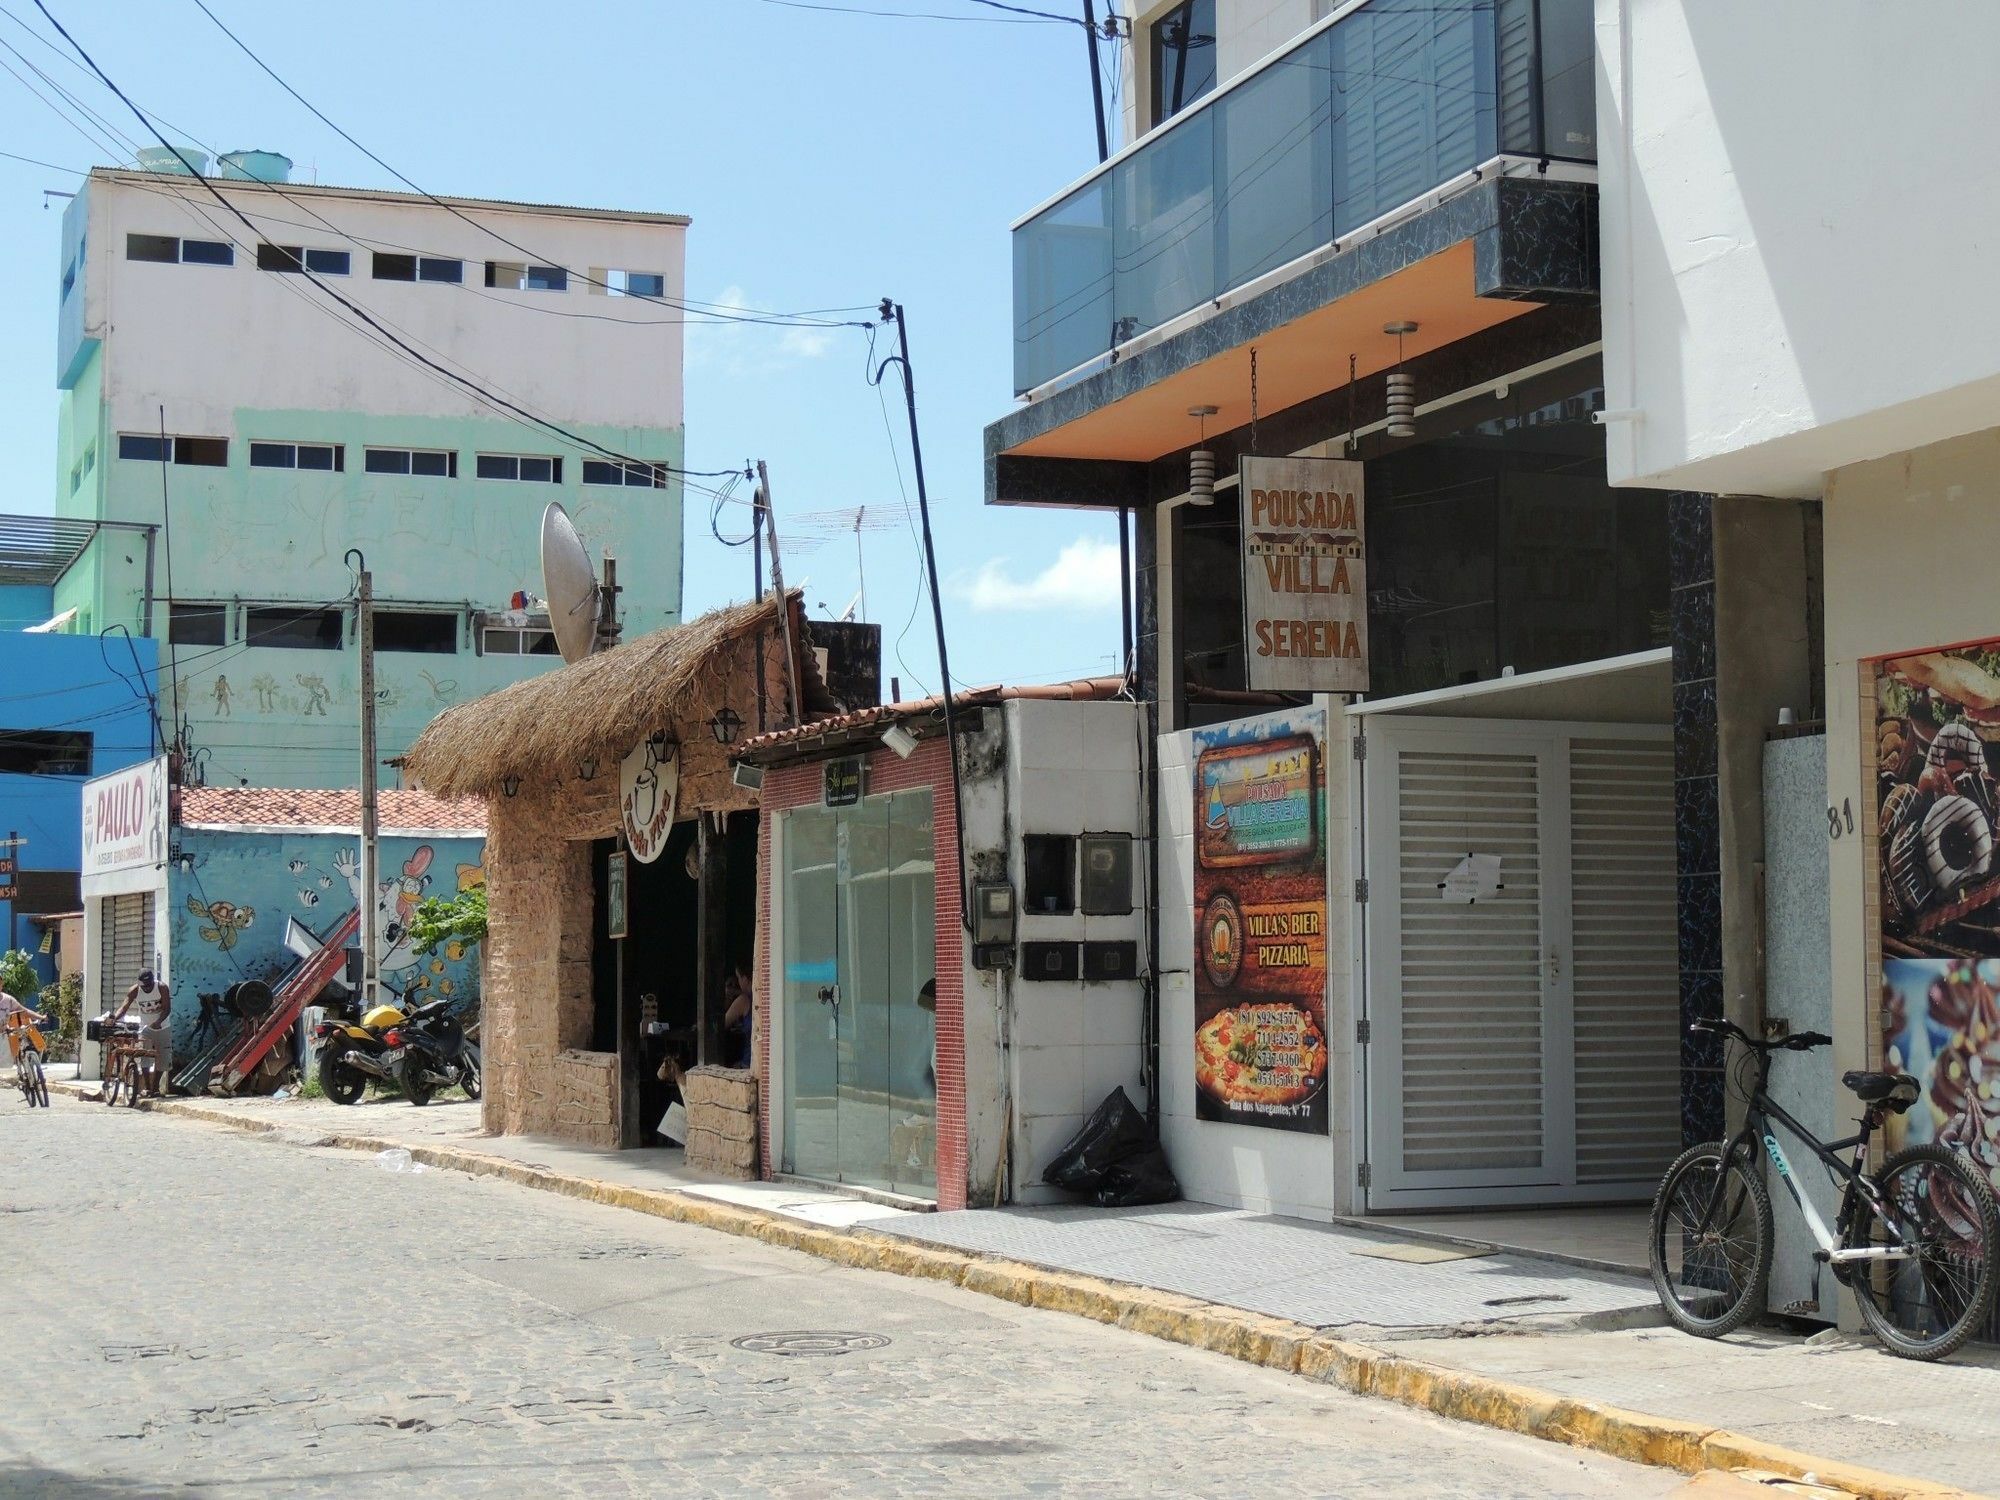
pixel 209 1327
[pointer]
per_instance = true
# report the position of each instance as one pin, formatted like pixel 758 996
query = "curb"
pixel 1273 1343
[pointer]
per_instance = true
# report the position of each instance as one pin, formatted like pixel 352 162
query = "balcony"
pixel 1375 110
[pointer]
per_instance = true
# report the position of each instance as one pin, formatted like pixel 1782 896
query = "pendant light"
pixel 1401 406
pixel 1201 460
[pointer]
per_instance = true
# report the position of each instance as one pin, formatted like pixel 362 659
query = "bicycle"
pixel 125 1060
pixel 1916 1243
pixel 27 1045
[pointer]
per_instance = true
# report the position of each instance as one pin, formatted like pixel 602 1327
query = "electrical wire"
pixel 913 15
pixel 53 167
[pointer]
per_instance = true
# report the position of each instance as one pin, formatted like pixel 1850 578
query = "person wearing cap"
pixel 156 1029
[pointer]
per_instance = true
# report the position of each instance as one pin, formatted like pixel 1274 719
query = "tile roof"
pixel 841 726
pixel 278 807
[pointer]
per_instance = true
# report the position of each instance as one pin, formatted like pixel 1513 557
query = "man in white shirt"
pixel 155 1005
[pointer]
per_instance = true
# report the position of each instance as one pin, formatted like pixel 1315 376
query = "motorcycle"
pixel 352 1052
pixel 431 1050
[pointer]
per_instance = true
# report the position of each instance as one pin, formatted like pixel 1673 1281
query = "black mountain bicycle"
pixel 1916 1242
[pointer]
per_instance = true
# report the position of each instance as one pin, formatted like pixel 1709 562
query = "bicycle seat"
pixel 1897 1090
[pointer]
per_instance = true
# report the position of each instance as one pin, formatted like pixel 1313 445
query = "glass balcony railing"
pixel 1367 114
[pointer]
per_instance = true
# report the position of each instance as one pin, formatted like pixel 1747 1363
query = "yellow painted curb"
pixel 1274 1343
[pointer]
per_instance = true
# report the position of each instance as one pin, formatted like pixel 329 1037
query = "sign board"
pixel 649 786
pixel 614 894
pixel 9 891
pixel 1305 583
pixel 845 781
pixel 125 819
pixel 6 864
pixel 17 842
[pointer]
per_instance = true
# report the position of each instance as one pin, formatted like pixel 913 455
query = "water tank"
pixel 163 159
pixel 254 166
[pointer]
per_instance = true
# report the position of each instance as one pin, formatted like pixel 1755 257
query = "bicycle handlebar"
pixel 1804 1041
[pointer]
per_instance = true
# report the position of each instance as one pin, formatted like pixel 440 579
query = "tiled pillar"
pixel 1697 842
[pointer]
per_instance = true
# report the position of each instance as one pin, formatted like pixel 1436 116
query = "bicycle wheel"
pixel 1710 1267
pixel 135 1082
pixel 37 1085
pixel 1941 1209
pixel 113 1082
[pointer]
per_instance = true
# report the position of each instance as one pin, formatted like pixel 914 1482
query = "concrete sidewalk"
pixel 1376 1312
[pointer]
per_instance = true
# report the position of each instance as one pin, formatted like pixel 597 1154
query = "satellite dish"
pixel 569 582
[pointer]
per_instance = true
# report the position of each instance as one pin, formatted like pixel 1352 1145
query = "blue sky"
pixel 827 159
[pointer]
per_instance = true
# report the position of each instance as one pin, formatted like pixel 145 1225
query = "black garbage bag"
pixel 1115 1158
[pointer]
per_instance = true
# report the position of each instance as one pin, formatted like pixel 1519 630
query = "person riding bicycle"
pixel 156 1028
pixel 9 1009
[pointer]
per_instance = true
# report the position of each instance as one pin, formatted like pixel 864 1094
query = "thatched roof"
pixel 601 706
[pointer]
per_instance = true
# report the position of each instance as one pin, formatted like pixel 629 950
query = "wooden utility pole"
pixel 364 640
pixel 794 706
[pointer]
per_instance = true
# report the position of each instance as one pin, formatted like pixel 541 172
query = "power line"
pixel 719 309
pixel 916 15
pixel 31 161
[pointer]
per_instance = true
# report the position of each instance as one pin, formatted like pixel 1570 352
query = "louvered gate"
pixel 1523 1046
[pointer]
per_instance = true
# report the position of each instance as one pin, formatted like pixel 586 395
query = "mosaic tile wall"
pixel 1697 818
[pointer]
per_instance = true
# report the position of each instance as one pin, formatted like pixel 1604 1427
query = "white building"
pixel 412 378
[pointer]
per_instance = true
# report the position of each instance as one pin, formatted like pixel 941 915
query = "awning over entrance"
pixel 1632 689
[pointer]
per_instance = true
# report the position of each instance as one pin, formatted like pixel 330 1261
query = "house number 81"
pixel 1835 816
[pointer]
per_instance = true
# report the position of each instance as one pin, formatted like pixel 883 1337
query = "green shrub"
pixel 440 920
pixel 17 973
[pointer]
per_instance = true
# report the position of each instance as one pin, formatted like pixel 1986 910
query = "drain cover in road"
pixel 809 1345
pixel 1426 1255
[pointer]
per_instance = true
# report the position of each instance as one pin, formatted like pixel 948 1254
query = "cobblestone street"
pixel 201 1312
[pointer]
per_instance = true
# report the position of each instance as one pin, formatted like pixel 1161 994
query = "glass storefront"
pixel 859 1044
pixel 1493 542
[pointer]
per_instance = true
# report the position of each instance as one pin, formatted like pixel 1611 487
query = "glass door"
pixel 860 1101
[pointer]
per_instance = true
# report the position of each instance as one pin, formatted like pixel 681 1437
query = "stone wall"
pixel 586 1098
pixel 722 1120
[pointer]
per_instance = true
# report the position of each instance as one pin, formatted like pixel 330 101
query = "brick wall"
pixel 799 786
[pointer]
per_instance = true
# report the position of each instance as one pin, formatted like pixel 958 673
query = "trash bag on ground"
pixel 1115 1158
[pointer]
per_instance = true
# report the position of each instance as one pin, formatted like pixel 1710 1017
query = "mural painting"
pixel 1936 735
pixel 232 893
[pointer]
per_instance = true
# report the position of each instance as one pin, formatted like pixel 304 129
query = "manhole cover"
pixel 805 1344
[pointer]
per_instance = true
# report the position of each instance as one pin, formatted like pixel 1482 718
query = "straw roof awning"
pixel 598 707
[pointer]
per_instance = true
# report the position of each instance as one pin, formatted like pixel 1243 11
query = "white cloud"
pixel 1084 576
pixel 738 348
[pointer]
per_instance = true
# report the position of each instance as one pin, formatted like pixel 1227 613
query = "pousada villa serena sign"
pixel 1305 587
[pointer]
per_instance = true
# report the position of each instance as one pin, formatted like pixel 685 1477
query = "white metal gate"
pixel 124 945
pixel 1523 1047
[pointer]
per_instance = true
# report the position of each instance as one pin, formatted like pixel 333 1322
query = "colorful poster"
pixel 1305 582
pixel 1937 747
pixel 1260 908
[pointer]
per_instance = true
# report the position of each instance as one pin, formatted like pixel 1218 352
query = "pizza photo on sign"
pixel 1260 1055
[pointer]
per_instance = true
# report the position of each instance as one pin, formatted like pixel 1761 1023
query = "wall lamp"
pixel 586 769
pixel 511 785
pixel 726 725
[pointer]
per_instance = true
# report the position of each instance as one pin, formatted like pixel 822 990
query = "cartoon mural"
pixel 232 893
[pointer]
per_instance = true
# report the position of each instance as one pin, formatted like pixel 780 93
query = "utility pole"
pixel 364 640
pixel 1125 665
pixel 1096 78
pixel 757 592
pixel 784 604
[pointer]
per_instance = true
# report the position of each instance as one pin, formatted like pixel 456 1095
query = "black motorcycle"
pixel 432 1049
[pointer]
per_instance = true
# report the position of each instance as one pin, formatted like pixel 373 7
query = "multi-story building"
pixel 408 378
pixel 1418 941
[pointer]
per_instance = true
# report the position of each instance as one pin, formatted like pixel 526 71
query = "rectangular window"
pixel 635 284
pixel 395 267
pixel 515 276
pixel 529 468
pixel 208 253
pixel 45 752
pixel 327 262
pixel 208 452
pixel 635 476
pixel 532 638
pixel 280 258
pixel 432 631
pixel 299 629
pixel 327 456
pixel 198 624
pixel 547 279
pixel 1183 57
pixel 89 460
pixel 75 478
pixel 430 462
pixel 161 247
pixel 431 268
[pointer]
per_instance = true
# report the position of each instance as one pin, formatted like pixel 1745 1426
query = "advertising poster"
pixel 1305 582
pixel 1937 746
pixel 1260 908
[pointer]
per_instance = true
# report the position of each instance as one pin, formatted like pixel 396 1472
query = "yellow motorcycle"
pixel 351 1053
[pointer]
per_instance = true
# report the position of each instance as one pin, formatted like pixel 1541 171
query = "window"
pixel 634 284
pixel 297 258
pixel 519 635
pixel 527 467
pixel 164 247
pixel 513 276
pixel 434 631
pixel 45 752
pixel 415 268
pixel 638 476
pixel 428 462
pixel 327 456
pixel 208 452
pixel 1183 57
pixel 198 624
pixel 300 629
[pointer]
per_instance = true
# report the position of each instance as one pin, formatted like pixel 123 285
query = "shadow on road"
pixel 32 1479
